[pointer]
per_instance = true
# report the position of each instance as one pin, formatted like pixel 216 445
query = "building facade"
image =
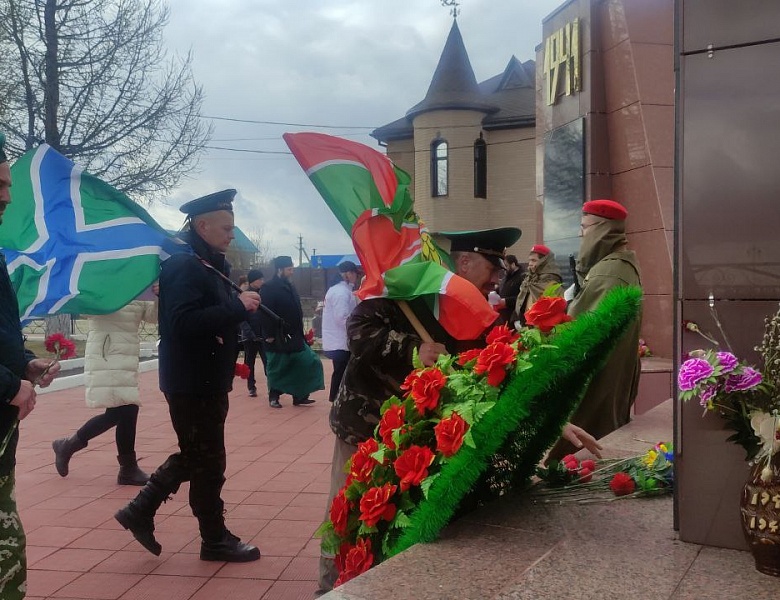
pixel 470 147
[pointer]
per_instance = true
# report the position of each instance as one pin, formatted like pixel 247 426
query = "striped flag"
pixel 370 198
pixel 74 244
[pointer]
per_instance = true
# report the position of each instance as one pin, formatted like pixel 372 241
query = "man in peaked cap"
pixel 543 272
pixel 382 342
pixel 605 263
pixel 340 301
pixel 292 366
pixel 199 314
pixel 20 371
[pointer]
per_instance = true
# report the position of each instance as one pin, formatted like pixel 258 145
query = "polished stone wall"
pixel 626 104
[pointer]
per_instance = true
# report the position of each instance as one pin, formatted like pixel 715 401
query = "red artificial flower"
pixel 241 371
pixel 585 475
pixel 339 513
pixel 468 356
pixel 424 386
pixel 493 361
pixel 375 505
pixel 622 484
pixel 546 313
pixel 60 346
pixel 412 466
pixel 502 333
pixel 352 561
pixel 392 419
pixel 363 463
pixel 450 433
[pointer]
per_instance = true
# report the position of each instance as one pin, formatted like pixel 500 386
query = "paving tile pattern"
pixel 277 483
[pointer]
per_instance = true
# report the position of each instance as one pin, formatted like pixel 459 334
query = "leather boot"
pixel 129 473
pixel 229 549
pixel 138 515
pixel 65 448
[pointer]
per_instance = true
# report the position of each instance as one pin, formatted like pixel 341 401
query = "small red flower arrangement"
pixel 391 473
pixel 241 371
pixel 60 346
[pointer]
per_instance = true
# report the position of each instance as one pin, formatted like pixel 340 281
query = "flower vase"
pixel 760 510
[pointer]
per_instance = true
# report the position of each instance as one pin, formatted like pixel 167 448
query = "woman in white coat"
pixel 111 382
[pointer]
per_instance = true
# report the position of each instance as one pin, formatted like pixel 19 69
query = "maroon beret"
pixel 608 209
pixel 540 249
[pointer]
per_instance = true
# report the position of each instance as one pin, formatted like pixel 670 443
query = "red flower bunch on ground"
pixel 622 484
pixel 546 313
pixel 241 371
pixel 60 346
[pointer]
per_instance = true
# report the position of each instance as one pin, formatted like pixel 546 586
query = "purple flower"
pixel 728 361
pixel 707 394
pixel 692 372
pixel 749 378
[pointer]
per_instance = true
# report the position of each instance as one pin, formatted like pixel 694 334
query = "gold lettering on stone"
pixel 562 62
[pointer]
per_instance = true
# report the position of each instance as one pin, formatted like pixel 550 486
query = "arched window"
pixel 439 162
pixel 480 169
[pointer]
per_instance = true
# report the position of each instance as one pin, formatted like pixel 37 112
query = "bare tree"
pixel 264 252
pixel 94 81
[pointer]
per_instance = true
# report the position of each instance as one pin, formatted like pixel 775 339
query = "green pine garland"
pixel 527 418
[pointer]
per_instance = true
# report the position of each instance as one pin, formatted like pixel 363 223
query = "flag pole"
pixel 418 326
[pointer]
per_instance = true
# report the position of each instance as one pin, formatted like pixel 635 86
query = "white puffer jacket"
pixel 111 355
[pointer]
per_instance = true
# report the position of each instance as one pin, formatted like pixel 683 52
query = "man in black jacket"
pixel 199 316
pixel 252 334
pixel 292 367
pixel 20 371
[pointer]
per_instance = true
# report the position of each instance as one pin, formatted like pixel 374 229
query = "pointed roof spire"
pixel 454 85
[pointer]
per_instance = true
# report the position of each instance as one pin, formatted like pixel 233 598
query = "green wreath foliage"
pixel 527 418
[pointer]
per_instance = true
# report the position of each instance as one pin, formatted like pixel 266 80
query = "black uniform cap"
pixel 205 204
pixel 490 243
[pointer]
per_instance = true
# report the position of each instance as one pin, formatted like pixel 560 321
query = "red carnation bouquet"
pixel 391 473
pixel 241 370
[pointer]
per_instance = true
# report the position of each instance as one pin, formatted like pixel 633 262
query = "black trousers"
pixel 251 350
pixel 124 418
pixel 199 422
pixel 340 359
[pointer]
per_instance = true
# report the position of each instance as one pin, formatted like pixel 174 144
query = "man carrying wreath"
pixel 382 340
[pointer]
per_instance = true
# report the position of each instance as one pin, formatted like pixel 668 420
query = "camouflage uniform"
pixel 13 562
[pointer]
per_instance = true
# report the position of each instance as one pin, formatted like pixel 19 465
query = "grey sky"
pixel 355 64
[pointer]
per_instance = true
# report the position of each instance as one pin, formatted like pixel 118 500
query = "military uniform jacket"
pixel 611 393
pixel 381 343
pixel 281 297
pixel 13 362
pixel 199 314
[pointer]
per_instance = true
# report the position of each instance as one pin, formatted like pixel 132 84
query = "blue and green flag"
pixel 72 243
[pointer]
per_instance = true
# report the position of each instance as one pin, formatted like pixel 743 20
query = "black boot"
pixel 138 515
pixel 129 473
pixel 229 549
pixel 65 448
